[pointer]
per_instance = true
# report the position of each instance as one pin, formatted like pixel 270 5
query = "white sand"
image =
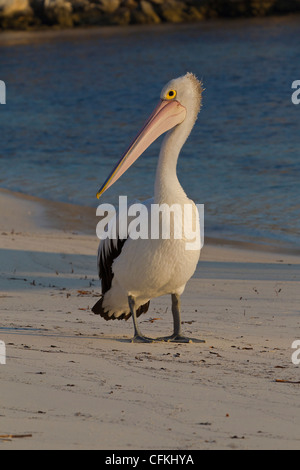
pixel 74 381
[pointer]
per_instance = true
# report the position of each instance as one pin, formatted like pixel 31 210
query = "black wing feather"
pixel 106 257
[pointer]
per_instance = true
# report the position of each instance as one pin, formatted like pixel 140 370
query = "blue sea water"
pixel 75 101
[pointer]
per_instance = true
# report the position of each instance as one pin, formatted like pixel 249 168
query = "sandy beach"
pixel 73 381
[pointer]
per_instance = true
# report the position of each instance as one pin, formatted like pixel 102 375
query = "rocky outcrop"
pixel 26 14
pixel 16 14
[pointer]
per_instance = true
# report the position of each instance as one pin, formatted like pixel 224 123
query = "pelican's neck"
pixel 167 187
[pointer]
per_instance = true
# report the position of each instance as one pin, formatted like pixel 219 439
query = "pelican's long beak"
pixel 167 115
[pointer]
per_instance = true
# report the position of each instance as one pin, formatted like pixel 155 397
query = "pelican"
pixel 134 271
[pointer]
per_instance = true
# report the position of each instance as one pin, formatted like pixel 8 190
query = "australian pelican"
pixel 134 271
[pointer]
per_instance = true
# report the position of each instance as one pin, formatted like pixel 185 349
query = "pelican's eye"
pixel 171 95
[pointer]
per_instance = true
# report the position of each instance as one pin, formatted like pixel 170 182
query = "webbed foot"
pixel 142 339
pixel 180 339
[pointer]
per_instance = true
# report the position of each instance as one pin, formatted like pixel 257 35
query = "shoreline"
pixel 16 36
pixel 45 215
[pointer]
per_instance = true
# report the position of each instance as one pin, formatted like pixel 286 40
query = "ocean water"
pixel 75 101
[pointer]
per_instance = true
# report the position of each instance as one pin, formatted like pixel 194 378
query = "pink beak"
pixel 166 115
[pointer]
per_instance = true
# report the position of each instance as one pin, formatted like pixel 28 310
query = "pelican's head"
pixel 180 101
pixel 187 91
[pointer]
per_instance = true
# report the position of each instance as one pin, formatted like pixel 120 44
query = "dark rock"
pixel 16 14
pixel 149 11
pixel 172 11
pixel 145 14
pixel 243 8
pixel 287 6
pixel 109 6
pixel 59 12
pixel 122 17
pixel 89 15
pixel 130 4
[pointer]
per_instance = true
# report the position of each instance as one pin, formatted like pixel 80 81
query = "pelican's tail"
pixel 98 309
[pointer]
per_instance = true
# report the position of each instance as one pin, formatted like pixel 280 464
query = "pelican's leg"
pixel 138 336
pixel 177 336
